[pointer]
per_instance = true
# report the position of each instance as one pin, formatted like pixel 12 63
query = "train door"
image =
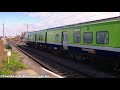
pixel 45 37
pixel 64 40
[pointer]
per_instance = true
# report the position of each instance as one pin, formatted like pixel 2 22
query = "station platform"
pixel 34 70
pixel 32 74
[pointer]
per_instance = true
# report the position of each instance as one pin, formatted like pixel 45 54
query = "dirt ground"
pixel 2 52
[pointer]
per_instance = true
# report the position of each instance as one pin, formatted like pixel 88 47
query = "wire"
pixel 43 18
pixel 77 18
pixel 64 18
pixel 23 18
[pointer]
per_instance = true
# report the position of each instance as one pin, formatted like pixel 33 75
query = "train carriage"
pixel 99 38
pixel 30 38
pixel 41 38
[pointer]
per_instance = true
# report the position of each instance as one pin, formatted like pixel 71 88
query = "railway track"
pixel 64 67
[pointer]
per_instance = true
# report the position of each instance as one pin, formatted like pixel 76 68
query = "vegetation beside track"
pixel 2 53
pixel 15 63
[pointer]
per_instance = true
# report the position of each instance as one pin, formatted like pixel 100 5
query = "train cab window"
pixel 76 36
pixel 88 37
pixel 57 37
pixel 102 37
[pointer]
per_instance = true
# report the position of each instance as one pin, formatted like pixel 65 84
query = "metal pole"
pixel 3 30
pixel 3 26
pixel 27 28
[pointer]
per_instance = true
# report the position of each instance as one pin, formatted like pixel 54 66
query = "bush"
pixel 7 46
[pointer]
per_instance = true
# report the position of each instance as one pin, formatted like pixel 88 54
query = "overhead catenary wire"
pixel 49 17
pixel 56 13
pixel 82 17
pixel 66 17
pixel 38 20
pixel 43 18
pixel 22 18
pixel 57 22
pixel 77 18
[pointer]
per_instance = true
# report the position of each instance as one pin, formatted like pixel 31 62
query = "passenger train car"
pixel 99 38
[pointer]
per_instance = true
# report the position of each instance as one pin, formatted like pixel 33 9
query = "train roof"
pixel 36 31
pixel 79 24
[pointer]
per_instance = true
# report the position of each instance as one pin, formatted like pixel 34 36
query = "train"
pixel 99 38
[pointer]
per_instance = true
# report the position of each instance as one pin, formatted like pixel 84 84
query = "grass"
pixel 15 64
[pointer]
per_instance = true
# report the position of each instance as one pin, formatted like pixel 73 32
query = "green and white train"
pixel 100 38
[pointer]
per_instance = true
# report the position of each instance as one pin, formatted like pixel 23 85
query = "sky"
pixel 16 22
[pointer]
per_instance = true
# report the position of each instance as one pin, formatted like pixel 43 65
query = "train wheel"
pixel 55 52
pixel 52 51
pixel 72 55
pixel 59 52
pixel 35 46
pixel 84 58
pixel 116 67
pixel 78 57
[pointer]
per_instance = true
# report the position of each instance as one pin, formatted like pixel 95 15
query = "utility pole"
pixel 27 28
pixel 3 30
pixel 3 27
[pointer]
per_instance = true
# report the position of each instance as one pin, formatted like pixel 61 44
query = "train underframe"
pixel 79 54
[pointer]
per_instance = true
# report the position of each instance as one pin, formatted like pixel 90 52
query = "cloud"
pixel 38 14
pixel 65 18
pixel 14 29
pixel 44 20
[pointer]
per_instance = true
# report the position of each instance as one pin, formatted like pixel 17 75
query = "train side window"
pixel 87 37
pixel 102 37
pixel 57 37
pixel 76 36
